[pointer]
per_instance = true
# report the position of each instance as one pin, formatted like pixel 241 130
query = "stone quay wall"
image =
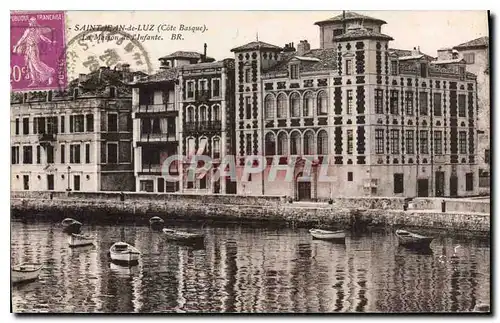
pixel 346 211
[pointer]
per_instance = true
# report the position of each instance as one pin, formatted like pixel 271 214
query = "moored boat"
pixel 156 223
pixel 25 272
pixel 80 240
pixel 71 225
pixel 124 253
pixel 183 236
pixel 410 239
pixel 338 235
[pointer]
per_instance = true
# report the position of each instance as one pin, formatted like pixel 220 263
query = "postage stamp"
pixel 37 60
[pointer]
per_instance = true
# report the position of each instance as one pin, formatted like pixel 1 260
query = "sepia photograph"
pixel 271 162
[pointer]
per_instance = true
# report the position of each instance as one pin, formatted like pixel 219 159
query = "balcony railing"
pixel 151 168
pixel 46 137
pixel 203 126
pixel 158 137
pixel 155 108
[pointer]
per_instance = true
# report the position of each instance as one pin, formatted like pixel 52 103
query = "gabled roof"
pixel 256 45
pixel 361 33
pixel 476 43
pixel 349 16
pixel 165 75
pixel 313 60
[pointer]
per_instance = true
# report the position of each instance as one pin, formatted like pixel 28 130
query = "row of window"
pixel 313 144
pixel 203 148
pixel 423 140
pixel 158 125
pixel 51 182
pixel 77 124
pixel 205 113
pixel 295 106
pixel 203 88
pixel 75 154
pixel 398 181
pixel 423 99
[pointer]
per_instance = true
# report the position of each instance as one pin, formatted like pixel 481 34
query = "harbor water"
pixel 248 268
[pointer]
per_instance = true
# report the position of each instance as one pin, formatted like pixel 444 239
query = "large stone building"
pixel 79 139
pixel 186 109
pixel 475 54
pixel 386 122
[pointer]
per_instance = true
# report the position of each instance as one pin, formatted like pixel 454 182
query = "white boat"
pixel 25 272
pixel 327 235
pixel 410 239
pixel 124 252
pixel 80 240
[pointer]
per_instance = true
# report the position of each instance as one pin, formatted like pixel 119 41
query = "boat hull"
pixel 80 241
pixel 338 236
pixel 72 228
pixel 413 240
pixel 23 276
pixel 184 237
pixel 126 258
pixel 156 226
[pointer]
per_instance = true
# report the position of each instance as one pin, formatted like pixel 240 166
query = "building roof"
pixel 405 53
pixel 313 60
pixel 475 43
pixel 448 61
pixel 165 75
pixel 361 33
pixel 256 45
pixel 182 54
pixel 349 16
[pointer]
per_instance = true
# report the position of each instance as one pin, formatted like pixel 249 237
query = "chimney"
pixel 126 68
pixel 303 47
pixel 204 52
pixel 415 51
pixel 82 78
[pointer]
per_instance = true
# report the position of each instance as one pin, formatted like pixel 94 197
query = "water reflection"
pixel 244 269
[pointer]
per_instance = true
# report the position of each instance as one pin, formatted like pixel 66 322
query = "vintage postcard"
pixel 250 162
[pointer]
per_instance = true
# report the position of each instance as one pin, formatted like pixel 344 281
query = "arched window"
pixel 216 112
pixel 322 103
pixel 270 144
pixel 203 113
pixel 295 143
pixel 190 114
pixel 190 146
pixel 295 105
pixel 216 148
pixel 282 144
pixel 309 143
pixel 308 104
pixel 282 106
pixel 269 107
pixel 322 143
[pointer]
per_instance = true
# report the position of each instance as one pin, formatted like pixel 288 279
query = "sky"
pixel 225 30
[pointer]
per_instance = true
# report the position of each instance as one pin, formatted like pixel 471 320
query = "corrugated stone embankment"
pixel 344 211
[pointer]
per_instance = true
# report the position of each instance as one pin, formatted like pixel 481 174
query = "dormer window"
pixel 348 66
pixel 294 71
pixel 423 70
pixel 394 67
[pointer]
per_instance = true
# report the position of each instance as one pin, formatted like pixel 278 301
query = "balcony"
pixel 155 108
pixel 203 126
pixel 46 138
pixel 158 137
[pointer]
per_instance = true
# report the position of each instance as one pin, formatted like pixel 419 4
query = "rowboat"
pixel 124 252
pixel 183 236
pixel 80 240
pixel 156 223
pixel 25 272
pixel 410 239
pixel 338 235
pixel 71 225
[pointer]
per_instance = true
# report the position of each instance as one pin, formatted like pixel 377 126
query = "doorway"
pixel 50 182
pixel 422 187
pixel 453 186
pixel 303 189
pixel 76 182
pixel 439 187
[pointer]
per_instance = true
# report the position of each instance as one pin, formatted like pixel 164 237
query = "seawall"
pixel 347 212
